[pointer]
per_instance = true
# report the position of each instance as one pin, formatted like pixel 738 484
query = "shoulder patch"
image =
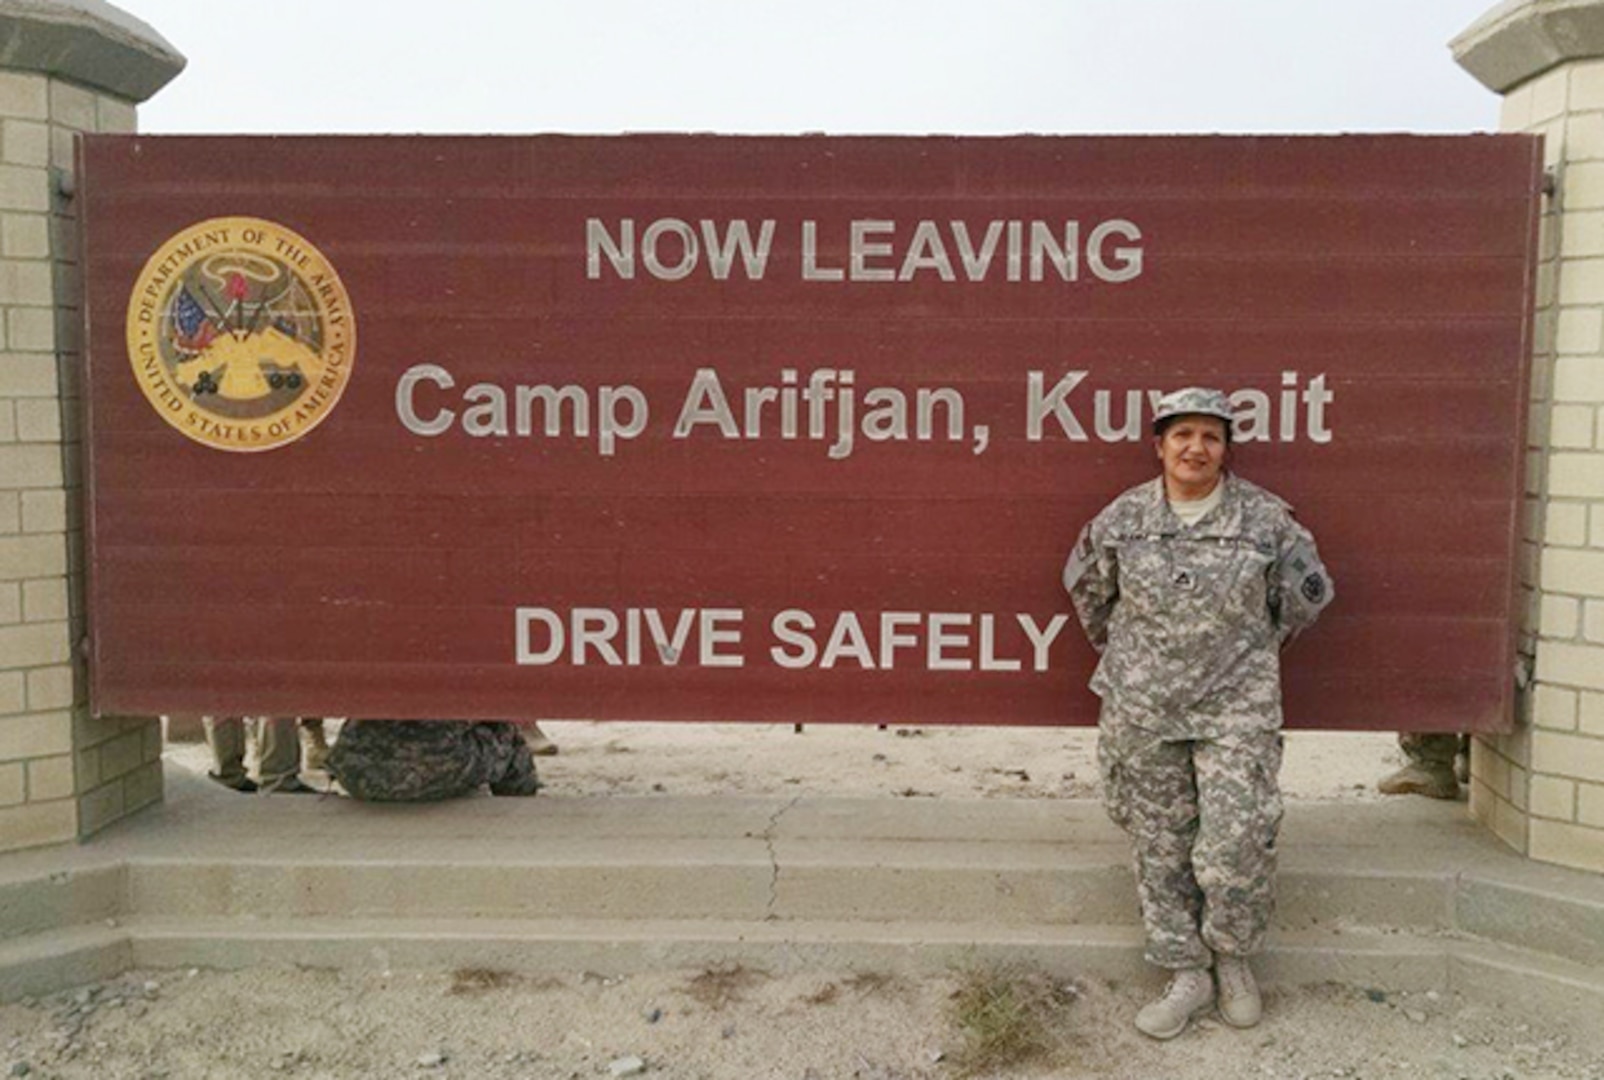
pixel 1314 588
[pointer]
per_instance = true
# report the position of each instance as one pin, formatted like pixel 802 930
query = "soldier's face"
pixel 1192 450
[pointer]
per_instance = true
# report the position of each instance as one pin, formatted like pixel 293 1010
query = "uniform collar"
pixel 1224 520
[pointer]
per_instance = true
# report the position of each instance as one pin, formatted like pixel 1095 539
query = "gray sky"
pixel 839 66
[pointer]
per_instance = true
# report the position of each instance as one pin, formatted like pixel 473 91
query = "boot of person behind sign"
pixel 540 743
pixel 226 739
pixel 1430 768
pixel 314 744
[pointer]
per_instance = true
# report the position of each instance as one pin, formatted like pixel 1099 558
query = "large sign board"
pixel 800 429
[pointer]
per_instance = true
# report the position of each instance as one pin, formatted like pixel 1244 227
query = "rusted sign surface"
pixel 673 427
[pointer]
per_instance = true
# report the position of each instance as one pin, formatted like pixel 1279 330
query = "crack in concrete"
pixel 774 861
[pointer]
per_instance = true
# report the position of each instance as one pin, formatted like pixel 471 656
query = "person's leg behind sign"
pixel 314 743
pixel 225 738
pixel 279 772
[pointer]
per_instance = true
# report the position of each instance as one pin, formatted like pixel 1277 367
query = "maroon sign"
pixel 800 429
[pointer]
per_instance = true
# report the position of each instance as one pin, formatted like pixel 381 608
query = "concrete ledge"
pixel 620 948
pixel 1569 993
pixel 1394 961
pixel 89 42
pixel 696 881
pixel 57 900
pixel 1547 921
pixel 1520 39
pixel 1401 895
pixel 1341 896
pixel 701 883
pixel 48 962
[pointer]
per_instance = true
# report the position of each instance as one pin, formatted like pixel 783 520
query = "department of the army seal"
pixel 240 333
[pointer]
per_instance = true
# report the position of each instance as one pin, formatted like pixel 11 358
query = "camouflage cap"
pixel 1193 400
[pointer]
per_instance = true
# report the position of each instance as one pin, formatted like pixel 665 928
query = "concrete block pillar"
pixel 1541 788
pixel 66 67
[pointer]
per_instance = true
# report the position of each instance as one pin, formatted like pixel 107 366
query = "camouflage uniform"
pixel 422 760
pixel 1190 621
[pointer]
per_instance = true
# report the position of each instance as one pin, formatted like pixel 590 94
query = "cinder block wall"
pixel 1541 788
pixel 63 774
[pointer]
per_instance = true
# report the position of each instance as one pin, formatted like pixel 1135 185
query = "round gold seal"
pixel 241 334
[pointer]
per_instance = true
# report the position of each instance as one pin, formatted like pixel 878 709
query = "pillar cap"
pixel 89 42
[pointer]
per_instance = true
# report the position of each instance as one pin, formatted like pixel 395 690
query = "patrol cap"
pixel 1192 400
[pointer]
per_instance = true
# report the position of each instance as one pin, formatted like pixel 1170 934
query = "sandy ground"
pixel 748 1024
pixel 907 762
pixel 730 1024
pixel 863 762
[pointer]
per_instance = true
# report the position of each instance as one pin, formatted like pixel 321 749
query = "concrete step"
pixel 33 900
pixel 1400 895
pixel 1563 990
pixel 31 966
pixel 1557 988
pixel 929 882
pixel 46 962
pixel 1536 908
pixel 1388 960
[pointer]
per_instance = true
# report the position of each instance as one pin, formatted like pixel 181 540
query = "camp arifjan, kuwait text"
pixel 830 407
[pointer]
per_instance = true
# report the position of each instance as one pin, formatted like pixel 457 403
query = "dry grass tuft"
pixel 824 995
pixel 864 984
pixel 722 984
pixel 875 983
pixel 479 980
pixel 1008 1017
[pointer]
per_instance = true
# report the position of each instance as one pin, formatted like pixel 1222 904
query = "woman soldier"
pixel 1189 586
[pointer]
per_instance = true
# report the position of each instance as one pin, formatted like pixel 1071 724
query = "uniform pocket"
pixel 1267 784
pixel 1113 776
pixel 1250 579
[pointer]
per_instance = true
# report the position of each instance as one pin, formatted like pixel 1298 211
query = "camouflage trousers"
pixel 424 760
pixel 1202 816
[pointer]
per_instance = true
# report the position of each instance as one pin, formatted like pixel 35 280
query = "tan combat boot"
pixel 1240 1005
pixel 1191 990
pixel 314 745
pixel 1415 779
pixel 540 743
